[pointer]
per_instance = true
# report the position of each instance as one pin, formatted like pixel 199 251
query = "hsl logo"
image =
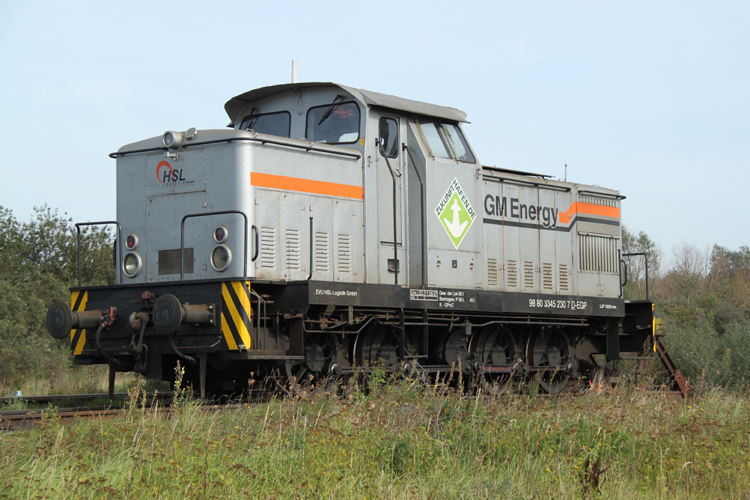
pixel 455 213
pixel 169 176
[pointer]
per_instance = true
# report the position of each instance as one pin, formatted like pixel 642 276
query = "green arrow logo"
pixel 455 213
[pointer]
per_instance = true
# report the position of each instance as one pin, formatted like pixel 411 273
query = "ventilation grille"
pixel 512 273
pixel 598 201
pixel 322 253
pixel 268 247
pixel 344 253
pixel 562 277
pixel 547 277
pixel 293 249
pixel 597 253
pixel 492 272
pixel 528 274
pixel 169 261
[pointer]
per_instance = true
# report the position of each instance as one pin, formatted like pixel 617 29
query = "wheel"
pixel 454 349
pixel 550 348
pixel 381 342
pixel 321 351
pixel 496 347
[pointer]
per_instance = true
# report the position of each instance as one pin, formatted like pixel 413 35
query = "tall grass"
pixel 70 380
pixel 406 438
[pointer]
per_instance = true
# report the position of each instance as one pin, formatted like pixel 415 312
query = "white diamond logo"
pixel 455 213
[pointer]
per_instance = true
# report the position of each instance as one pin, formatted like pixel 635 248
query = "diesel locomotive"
pixel 329 228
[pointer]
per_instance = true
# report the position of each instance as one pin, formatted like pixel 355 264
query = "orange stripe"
pixel 588 208
pixel 306 185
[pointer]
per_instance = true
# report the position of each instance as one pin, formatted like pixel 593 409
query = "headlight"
pixel 221 258
pixel 132 264
pixel 172 140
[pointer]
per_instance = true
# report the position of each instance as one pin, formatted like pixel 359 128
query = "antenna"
pixel 566 173
pixel 294 71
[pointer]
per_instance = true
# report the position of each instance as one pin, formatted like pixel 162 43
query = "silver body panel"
pixel 325 212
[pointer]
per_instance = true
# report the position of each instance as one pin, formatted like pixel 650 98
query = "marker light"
pixel 221 258
pixel 131 242
pixel 132 264
pixel 221 234
pixel 172 140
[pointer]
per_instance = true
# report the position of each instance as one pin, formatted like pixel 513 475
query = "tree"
pixel 38 262
pixel 636 286
pixel 730 275
pixel 48 245
pixel 688 273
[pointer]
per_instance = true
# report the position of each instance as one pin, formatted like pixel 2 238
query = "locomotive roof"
pixel 235 104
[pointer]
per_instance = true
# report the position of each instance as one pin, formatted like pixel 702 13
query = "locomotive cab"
pixel 328 228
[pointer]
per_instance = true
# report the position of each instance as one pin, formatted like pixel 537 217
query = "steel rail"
pixel 15 419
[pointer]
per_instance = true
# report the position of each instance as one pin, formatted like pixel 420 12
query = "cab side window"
pixel 269 123
pixel 388 133
pixel 335 123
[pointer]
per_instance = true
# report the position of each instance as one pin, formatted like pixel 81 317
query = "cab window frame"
pixel 283 112
pixel 436 126
pixel 441 127
pixel 461 139
pixel 395 147
pixel 335 105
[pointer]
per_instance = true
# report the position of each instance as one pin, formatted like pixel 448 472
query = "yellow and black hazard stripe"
pixel 235 314
pixel 78 337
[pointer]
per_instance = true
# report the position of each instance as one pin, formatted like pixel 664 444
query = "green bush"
pixel 38 262
pixel 709 347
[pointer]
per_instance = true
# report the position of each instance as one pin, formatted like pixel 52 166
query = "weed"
pixel 14 404
pixel 182 393
pixel 590 476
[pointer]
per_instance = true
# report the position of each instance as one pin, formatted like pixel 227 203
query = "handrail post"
pixel 395 230
pixel 422 213
pixel 645 257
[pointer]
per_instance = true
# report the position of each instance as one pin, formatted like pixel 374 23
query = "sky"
pixel 651 98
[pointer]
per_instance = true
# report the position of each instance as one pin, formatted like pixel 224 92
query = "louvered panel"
pixel 511 269
pixel 492 273
pixel 528 274
pixel 322 253
pixel 268 247
pixel 344 253
pixel 293 249
pixel 597 253
pixel 594 200
pixel 547 277
pixel 562 278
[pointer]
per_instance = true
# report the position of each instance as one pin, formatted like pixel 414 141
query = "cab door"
pixel 454 195
pixel 390 200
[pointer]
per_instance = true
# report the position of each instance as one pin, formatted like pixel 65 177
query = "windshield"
pixel 270 123
pixel 434 141
pixel 457 142
pixel 335 123
pixel 445 140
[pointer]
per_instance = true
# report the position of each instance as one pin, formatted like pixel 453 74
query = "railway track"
pixel 19 419
pixel 16 419
pixel 75 408
pixel 64 398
